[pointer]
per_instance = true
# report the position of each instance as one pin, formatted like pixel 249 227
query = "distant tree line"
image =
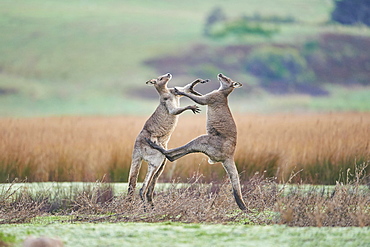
pixel 218 25
pixel 351 12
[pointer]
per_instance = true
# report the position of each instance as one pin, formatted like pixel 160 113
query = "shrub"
pixel 278 64
pixel 270 18
pixel 241 27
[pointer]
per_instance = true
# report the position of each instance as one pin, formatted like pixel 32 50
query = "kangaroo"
pixel 42 242
pixel 220 141
pixel 158 128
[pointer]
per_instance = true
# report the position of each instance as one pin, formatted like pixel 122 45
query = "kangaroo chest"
pixel 220 122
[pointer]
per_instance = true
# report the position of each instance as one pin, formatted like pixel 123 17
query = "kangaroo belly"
pixel 218 149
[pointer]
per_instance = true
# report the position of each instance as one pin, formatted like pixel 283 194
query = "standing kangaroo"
pixel 220 141
pixel 158 128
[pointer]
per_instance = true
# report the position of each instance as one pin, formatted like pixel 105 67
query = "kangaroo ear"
pixel 152 81
pixel 237 84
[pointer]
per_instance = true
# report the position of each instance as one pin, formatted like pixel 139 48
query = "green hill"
pixel 88 57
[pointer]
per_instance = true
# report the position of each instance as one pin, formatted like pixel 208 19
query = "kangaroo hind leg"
pixel 153 166
pixel 150 191
pixel 197 145
pixel 231 170
pixel 134 173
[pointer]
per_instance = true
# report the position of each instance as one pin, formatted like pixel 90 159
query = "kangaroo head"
pixel 161 81
pixel 226 83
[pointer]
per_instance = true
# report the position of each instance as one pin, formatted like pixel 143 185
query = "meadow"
pixel 167 234
pixel 322 148
pixel 86 58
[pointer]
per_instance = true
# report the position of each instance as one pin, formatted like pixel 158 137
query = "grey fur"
pixel 158 128
pixel 220 141
pixel 42 242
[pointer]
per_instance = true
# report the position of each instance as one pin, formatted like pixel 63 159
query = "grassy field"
pixel 195 214
pixel 174 234
pixel 321 146
pixel 84 57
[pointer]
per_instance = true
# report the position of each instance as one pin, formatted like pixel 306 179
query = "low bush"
pixel 196 202
pixel 240 28
pixel 279 64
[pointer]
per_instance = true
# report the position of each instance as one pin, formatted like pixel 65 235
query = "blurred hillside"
pixel 93 57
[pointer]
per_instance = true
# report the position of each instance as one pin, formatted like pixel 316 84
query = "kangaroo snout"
pixel 237 84
pixel 168 77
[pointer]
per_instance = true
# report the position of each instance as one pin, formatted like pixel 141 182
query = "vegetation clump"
pixel 280 69
pixel 196 202
pixel 219 26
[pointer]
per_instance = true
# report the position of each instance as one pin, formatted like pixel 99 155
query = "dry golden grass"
pixel 90 148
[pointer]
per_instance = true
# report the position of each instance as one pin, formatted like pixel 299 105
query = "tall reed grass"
pixel 325 148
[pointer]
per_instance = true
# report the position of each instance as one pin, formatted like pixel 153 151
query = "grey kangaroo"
pixel 158 128
pixel 220 141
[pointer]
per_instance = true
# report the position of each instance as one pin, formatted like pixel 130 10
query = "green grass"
pixel 174 234
pixel 7 238
pixel 343 100
pixel 340 99
pixel 71 187
pixel 68 189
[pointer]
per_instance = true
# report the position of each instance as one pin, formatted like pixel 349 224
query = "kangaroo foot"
pixel 159 148
pixel 154 145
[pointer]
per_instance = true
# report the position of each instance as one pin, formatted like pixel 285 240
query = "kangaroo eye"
pixel 161 79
